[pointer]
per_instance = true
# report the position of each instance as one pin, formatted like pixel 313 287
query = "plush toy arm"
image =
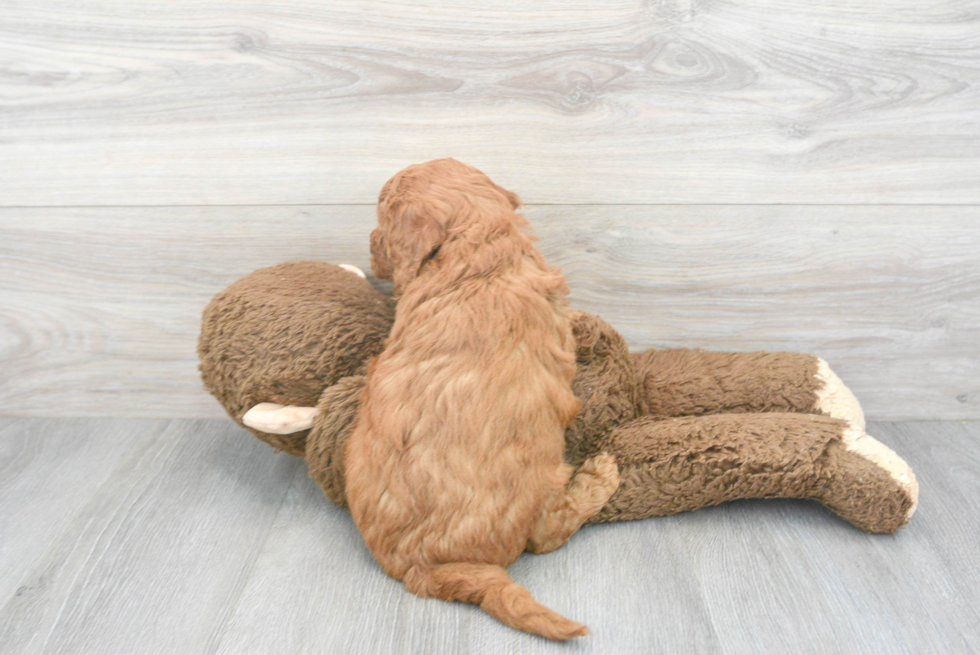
pixel 336 411
pixel 671 465
pixel 686 382
pixel 323 428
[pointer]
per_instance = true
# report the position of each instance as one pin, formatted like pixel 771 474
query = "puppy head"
pixel 427 205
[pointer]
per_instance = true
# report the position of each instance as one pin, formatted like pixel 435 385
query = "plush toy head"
pixel 285 333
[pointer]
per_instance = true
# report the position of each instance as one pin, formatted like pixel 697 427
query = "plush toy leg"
pixel 588 490
pixel 686 382
pixel 672 465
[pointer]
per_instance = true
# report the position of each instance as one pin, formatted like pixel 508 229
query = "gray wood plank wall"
pixel 163 102
pixel 782 176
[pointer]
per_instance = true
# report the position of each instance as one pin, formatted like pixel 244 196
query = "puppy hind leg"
pixel 588 490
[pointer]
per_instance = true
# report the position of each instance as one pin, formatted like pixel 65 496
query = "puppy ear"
pixel 421 236
pixel 514 200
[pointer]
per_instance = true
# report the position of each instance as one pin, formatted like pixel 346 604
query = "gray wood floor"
pixel 179 536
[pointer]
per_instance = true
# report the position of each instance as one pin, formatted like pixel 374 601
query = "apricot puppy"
pixel 455 465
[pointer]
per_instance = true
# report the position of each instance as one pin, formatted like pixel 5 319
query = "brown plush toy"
pixel 285 351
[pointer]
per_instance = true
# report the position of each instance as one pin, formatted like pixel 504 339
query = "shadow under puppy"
pixel 455 465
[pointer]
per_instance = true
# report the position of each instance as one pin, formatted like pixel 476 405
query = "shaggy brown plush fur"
pixel 671 465
pixel 754 455
pixel 285 333
pixel 455 463
pixel 724 382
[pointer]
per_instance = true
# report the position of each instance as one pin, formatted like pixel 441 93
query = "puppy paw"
pixel 597 479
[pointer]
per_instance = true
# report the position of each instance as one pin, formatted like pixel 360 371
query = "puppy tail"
pixel 490 587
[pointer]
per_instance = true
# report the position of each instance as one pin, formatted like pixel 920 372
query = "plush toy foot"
pixel 588 490
pixel 867 483
pixel 835 399
pixel 279 419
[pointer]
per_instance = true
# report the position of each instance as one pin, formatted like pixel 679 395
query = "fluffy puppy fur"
pixel 455 464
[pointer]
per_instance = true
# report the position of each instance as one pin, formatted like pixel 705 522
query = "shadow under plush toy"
pixel 285 351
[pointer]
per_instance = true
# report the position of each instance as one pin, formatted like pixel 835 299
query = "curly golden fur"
pixel 455 464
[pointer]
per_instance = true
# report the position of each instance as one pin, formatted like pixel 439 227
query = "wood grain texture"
pixel 156 558
pixel 100 308
pixel 202 540
pixel 334 598
pixel 840 590
pixel 49 472
pixel 673 101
